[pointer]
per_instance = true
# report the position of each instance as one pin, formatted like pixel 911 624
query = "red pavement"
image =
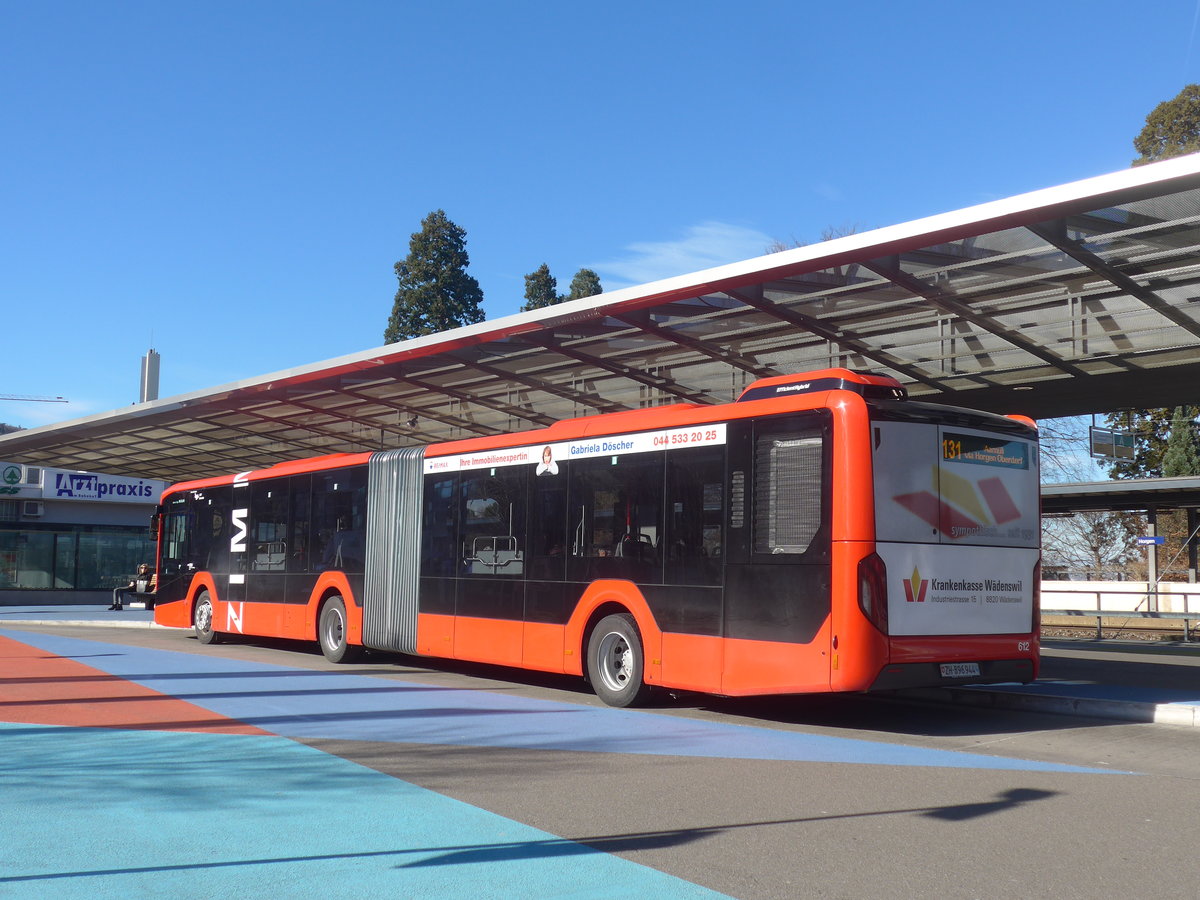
pixel 39 688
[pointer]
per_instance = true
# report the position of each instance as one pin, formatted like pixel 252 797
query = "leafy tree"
pixel 541 289
pixel 828 233
pixel 1172 128
pixel 435 293
pixel 1064 450
pixel 1096 545
pixel 1093 545
pixel 586 283
pixel 1181 457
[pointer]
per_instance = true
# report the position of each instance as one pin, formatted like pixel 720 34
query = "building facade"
pixel 69 536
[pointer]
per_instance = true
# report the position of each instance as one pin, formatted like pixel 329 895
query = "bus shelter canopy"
pixel 1127 494
pixel 1075 299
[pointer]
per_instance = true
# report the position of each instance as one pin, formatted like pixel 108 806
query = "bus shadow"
pixel 886 713
pixel 892 714
pixel 675 837
pixel 557 847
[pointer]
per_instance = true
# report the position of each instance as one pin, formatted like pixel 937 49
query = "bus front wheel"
pixel 616 661
pixel 202 620
pixel 331 632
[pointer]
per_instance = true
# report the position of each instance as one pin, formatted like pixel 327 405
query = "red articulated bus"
pixel 821 533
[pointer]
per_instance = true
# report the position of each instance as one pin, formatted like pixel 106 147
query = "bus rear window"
pixel 947 484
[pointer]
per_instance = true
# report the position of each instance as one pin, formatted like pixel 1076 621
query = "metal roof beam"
pixel 948 303
pixel 297 443
pixel 642 321
pixel 657 382
pixel 506 409
pixel 443 418
pixel 841 337
pixel 594 401
pixel 1055 232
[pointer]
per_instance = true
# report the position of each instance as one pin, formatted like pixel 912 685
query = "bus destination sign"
pixel 984 451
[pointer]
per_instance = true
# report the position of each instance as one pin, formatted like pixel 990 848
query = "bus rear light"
pixel 872 591
pixel 1037 598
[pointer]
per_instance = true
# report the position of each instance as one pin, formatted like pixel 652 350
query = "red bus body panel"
pixel 847 653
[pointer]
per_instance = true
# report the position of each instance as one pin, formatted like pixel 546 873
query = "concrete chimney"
pixel 149 386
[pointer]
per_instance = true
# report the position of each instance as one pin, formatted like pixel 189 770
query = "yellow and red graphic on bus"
pixel 915 588
pixel 964 508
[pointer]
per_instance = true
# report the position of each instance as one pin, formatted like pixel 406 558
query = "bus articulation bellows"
pixel 821 533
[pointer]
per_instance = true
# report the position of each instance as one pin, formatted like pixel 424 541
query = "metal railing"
pixel 1147 597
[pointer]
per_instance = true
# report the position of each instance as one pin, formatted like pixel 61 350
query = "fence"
pixel 1101 600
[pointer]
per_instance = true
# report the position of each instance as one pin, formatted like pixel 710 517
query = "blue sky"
pixel 232 182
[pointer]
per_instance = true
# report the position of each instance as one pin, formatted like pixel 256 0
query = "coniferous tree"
pixel 1172 129
pixel 1151 430
pixel 541 289
pixel 586 283
pixel 435 292
pixel 1182 456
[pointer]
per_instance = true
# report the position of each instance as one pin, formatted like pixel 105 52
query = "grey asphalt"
pixel 1133 681
pixel 770 797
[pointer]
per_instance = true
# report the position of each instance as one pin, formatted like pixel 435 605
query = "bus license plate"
pixel 960 670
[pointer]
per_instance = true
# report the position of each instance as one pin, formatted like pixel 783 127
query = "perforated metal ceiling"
pixel 1081 298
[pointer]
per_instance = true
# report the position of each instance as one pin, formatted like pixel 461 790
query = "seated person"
pixel 140 583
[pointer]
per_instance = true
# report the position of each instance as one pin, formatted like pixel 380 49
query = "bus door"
pixel 195 542
pixel 778 587
pixel 173 574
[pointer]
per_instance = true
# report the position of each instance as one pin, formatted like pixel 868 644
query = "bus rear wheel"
pixel 202 620
pixel 331 632
pixel 616 661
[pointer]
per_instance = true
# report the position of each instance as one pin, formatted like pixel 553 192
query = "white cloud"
pixel 702 246
pixel 829 192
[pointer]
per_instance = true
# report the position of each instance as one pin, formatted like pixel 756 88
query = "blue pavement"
pixel 76 615
pixel 309 703
pixel 1162 704
pixel 116 812
pixel 111 813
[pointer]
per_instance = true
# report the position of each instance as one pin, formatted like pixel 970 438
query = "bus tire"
pixel 332 632
pixel 616 660
pixel 202 620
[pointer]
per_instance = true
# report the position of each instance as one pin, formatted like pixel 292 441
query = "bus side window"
pixel 268 525
pixel 298 558
pixel 338 518
pixel 615 518
pixel 439 526
pixel 175 539
pixel 548 528
pixel 492 522
pixel 694 536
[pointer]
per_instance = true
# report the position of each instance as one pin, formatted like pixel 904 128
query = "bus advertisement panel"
pixel 957 521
